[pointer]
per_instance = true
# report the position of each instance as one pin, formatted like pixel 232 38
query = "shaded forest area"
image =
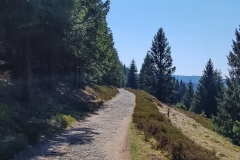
pixel 57 64
pixel 51 41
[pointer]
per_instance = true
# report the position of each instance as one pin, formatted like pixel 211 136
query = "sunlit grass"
pixel 154 125
pixel 205 122
pixel 141 149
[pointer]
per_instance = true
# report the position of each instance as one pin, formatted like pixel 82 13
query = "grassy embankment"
pixel 205 122
pixel 48 112
pixel 159 131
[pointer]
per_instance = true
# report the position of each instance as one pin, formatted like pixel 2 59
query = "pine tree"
pixel 132 76
pixel 182 90
pixel 188 96
pixel 208 89
pixel 179 91
pixel 147 77
pixel 59 38
pixel 160 54
pixel 227 121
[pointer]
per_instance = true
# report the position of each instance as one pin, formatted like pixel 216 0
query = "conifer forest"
pixel 47 46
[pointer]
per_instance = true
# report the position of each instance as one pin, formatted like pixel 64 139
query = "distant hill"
pixel 186 79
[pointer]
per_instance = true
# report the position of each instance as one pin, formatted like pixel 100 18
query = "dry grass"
pixel 205 122
pixel 203 136
pixel 102 92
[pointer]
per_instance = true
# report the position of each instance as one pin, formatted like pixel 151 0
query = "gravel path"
pixel 102 136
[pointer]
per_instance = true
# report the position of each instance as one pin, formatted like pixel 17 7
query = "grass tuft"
pixel 62 121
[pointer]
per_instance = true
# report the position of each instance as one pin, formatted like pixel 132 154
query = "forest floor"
pixel 208 139
pixel 102 135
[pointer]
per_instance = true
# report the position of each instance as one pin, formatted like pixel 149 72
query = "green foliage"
pixel 188 96
pixel 105 92
pixel 179 91
pixel 236 132
pixel 181 106
pixel 227 120
pixel 147 78
pixel 46 115
pixel 62 121
pixel 11 145
pixel 158 67
pixel 60 40
pixel 210 88
pixel 132 76
pixel 6 113
pixel 147 118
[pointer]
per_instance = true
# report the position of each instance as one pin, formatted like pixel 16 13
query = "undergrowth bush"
pixel 147 118
pixel 104 92
pixel 33 129
pixel 6 114
pixel 11 145
pixel 62 121
pixel 181 105
pixel 23 123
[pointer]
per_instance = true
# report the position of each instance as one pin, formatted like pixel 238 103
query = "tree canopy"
pixel 159 68
pixel 61 39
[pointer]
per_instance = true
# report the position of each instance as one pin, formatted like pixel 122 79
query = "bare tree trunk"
pixel 26 69
pixel 51 71
pixel 80 83
pixel 75 74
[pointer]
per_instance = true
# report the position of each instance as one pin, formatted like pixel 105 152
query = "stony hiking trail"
pixel 202 136
pixel 103 135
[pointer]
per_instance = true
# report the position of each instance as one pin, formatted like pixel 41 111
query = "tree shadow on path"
pixel 60 144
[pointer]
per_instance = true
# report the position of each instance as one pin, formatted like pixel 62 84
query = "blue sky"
pixel 196 30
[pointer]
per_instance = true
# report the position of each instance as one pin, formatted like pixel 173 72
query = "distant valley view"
pixel 186 79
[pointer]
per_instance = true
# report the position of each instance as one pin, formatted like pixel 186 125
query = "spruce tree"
pixel 160 54
pixel 182 90
pixel 179 91
pixel 147 78
pixel 132 76
pixel 227 121
pixel 188 96
pixel 208 89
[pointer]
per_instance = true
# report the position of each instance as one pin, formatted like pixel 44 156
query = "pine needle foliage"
pixel 158 65
pixel 210 88
pixel 227 121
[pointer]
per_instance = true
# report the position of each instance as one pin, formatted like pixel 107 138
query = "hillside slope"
pixel 49 111
pixel 202 136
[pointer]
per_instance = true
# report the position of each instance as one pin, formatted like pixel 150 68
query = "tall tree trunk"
pixel 51 70
pixel 80 83
pixel 26 69
pixel 75 74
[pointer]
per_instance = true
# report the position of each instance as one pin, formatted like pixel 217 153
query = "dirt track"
pixel 103 135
